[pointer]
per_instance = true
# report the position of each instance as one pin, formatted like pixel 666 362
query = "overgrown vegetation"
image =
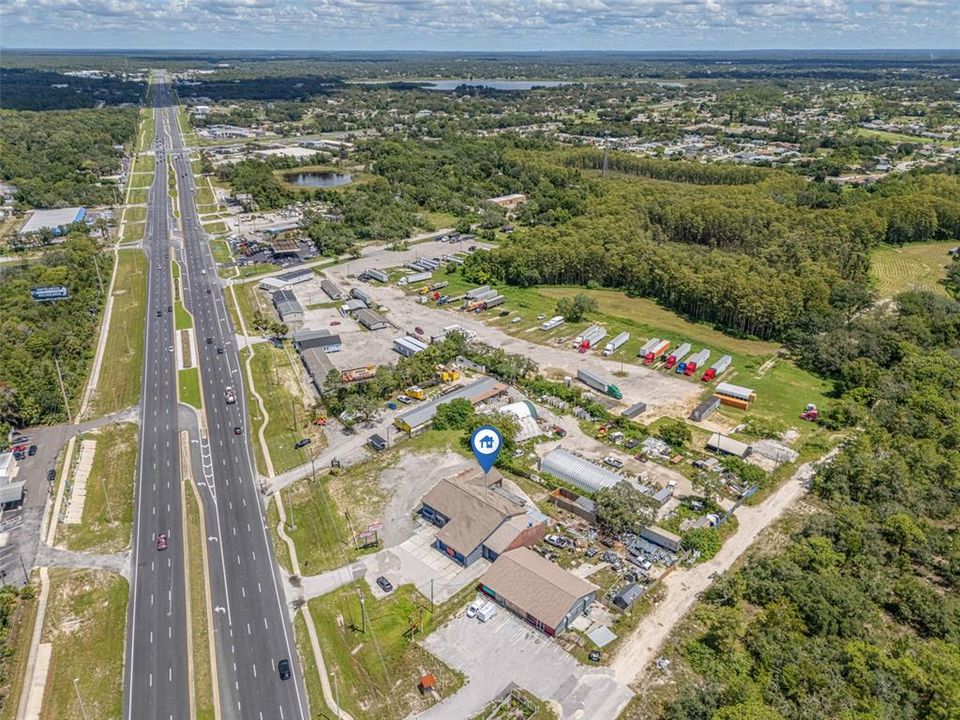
pixel 58 158
pixel 860 616
pixel 35 336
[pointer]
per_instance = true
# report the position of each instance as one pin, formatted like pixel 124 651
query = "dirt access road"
pixel 683 587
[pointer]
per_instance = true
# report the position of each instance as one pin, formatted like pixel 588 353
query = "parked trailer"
pixel 552 323
pixel 677 355
pixel 648 346
pixel 493 302
pixel 656 351
pixel 591 337
pixel 734 402
pixel 415 278
pixel 438 286
pixel 378 275
pixel 705 409
pixel 477 291
pixel 695 361
pixel 484 295
pixel 736 391
pixel 360 373
pixel 599 384
pixel 616 343
pixel 717 368
pixel 359 294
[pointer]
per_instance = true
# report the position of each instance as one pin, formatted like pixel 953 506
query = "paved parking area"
pixel 505 650
pixel 414 561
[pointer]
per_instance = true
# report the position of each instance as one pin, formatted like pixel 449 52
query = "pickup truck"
pixel 230 395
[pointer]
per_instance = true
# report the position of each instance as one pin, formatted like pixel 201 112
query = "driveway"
pixel 505 650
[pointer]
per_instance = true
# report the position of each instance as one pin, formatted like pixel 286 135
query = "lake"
pixel 318 179
pixel 493 84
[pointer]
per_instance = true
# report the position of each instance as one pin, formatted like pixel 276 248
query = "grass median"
pixel 133 232
pixel 118 385
pixel 107 520
pixel 85 621
pixel 200 630
pixel 189 385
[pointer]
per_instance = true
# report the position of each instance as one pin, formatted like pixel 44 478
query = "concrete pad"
pixel 505 650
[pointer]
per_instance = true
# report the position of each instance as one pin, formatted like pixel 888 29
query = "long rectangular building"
pixel 419 418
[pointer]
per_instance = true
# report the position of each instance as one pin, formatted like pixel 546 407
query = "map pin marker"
pixel 486 443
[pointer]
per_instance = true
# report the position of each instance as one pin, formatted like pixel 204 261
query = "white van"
pixel 487 612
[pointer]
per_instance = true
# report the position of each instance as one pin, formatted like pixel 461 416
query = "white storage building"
pixel 578 471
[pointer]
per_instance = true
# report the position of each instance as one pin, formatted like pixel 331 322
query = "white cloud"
pixel 452 24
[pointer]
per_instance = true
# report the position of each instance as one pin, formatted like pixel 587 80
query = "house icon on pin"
pixel 486 442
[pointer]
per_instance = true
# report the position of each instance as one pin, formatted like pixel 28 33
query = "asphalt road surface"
pixel 251 625
pixel 155 671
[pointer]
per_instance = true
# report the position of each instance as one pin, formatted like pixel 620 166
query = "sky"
pixel 504 25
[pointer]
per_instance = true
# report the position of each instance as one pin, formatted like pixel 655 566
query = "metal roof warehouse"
pixel 53 220
pixel 419 418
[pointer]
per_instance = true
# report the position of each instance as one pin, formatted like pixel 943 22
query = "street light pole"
pixel 76 687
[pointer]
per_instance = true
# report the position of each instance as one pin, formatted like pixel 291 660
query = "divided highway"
pixel 155 668
pixel 251 624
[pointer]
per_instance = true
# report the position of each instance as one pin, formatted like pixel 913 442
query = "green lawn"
pixel 183 318
pixel 141 181
pixel 202 682
pixel 137 196
pixel 255 419
pixel 249 301
pixel 85 621
pixel 378 670
pixel 438 220
pixel 147 128
pixel 311 675
pixel 893 137
pixel 189 384
pixel 257 269
pixel 204 195
pixel 274 377
pixel 133 232
pixel 221 251
pixel 219 227
pixel 135 213
pixel 144 163
pixel 317 526
pixel 920 266
pixel 118 386
pixel 13 667
pixel 108 508
pixel 280 549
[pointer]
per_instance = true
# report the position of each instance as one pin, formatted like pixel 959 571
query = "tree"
pixel 576 308
pixel 623 508
pixel 675 433
pixel 706 540
pixel 454 415
pixel 708 484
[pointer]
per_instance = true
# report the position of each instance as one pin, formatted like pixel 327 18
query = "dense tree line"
pixel 35 335
pixel 25 89
pixel 259 88
pixel 860 616
pixel 763 259
pixel 56 158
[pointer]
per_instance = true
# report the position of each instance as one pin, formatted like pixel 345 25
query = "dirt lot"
pixel 664 395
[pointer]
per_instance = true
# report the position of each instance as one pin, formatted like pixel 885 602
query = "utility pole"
pixel 63 390
pixel 363 613
pixel 76 687
pixel 106 499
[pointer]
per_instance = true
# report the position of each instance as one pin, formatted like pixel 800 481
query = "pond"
pixel 493 84
pixel 318 179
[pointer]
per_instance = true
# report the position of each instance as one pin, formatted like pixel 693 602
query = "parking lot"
pixel 505 650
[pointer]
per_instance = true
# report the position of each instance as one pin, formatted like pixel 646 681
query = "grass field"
pixel 144 163
pixel 189 383
pixel 133 232
pixel 183 318
pixel 893 137
pixel 108 509
pixel 257 269
pixel 438 220
pixel 276 381
pixel 86 617
pixel 221 251
pixel 147 127
pixel 137 196
pixel 215 228
pixel 280 549
pixel 255 417
pixel 202 682
pixel 119 384
pixel 141 181
pixel 135 213
pixel 911 267
pixel 204 194
pixel 317 526
pixel 378 670
pixel 248 302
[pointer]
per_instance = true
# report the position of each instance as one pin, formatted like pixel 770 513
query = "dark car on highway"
pixel 283 667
